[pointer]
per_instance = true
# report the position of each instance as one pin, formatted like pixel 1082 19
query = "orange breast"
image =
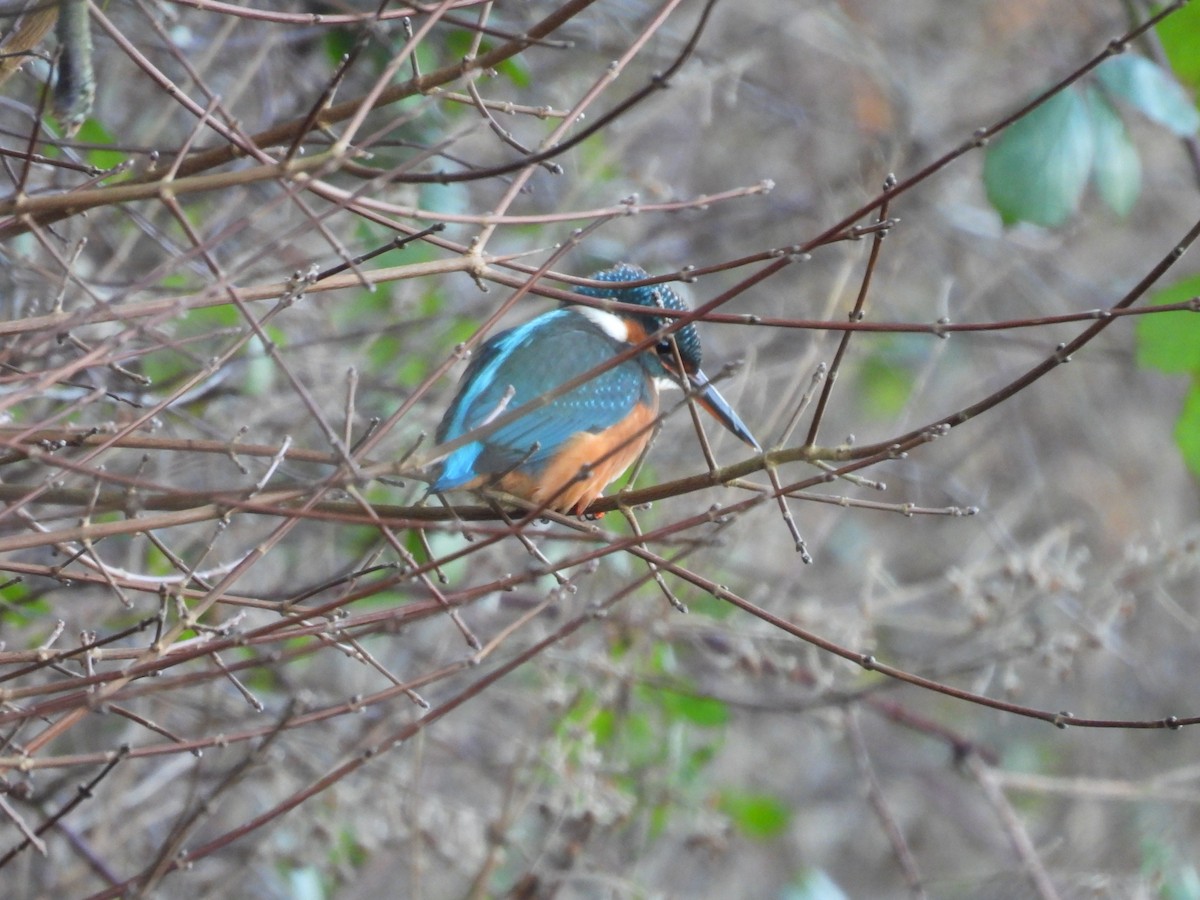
pixel 607 454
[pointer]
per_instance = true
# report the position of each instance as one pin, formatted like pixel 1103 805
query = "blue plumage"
pixel 534 359
pixel 654 296
pixel 565 453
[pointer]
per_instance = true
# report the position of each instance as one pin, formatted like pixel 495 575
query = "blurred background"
pixel 239 659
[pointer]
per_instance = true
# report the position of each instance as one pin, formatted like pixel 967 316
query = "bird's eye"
pixel 664 348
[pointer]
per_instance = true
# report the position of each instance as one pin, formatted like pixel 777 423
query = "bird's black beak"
pixel 712 401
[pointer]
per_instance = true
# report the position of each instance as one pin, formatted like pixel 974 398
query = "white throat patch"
pixel 611 324
pixel 666 383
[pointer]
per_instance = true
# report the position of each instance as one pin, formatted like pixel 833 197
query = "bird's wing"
pixel 535 361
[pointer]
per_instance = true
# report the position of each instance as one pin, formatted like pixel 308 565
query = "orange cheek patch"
pixel 608 454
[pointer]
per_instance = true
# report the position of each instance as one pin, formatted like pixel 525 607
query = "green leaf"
pixel 410 370
pixel 156 562
pixel 19 606
pixel 515 70
pixel 349 850
pixel 662 658
pixel 1151 90
pixel 175 281
pixel 660 817
pixel 604 726
pixel 1117 170
pixel 338 42
pixel 703 711
pixel 209 318
pixel 696 762
pixel 459 41
pixel 361 306
pixel 886 386
pixel 163 366
pixel 1037 169
pixel 641 739
pixel 92 132
pixel 1178 33
pixel 708 606
pixel 886 376
pixel 415 546
pixel 1187 429
pixel 757 816
pixel 1170 341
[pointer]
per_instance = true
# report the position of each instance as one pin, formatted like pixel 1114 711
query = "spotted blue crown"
pixel 654 296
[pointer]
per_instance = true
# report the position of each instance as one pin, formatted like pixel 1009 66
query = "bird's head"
pixel 685 339
pixel 652 297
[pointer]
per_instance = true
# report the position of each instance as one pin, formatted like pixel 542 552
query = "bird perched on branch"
pixel 571 443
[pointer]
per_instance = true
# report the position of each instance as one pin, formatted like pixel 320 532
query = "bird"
pixel 562 454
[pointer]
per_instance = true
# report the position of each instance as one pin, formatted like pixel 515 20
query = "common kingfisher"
pixel 564 454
